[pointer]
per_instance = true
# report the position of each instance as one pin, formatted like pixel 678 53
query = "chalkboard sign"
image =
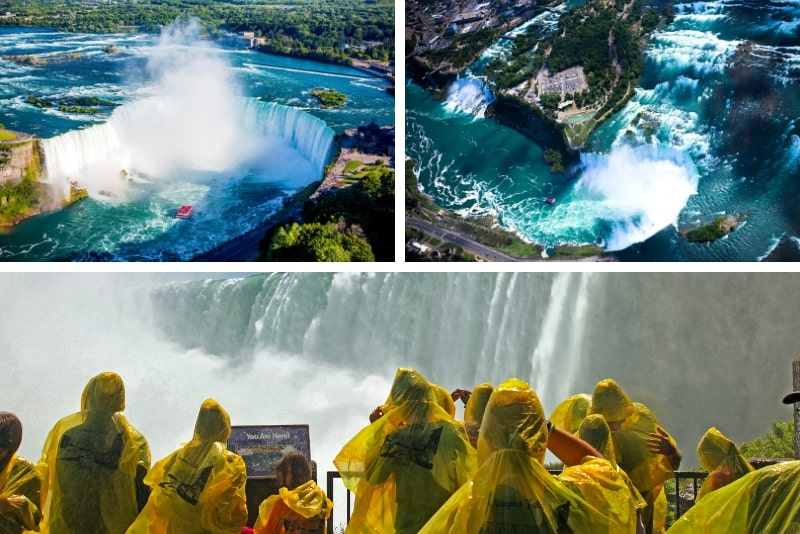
pixel 261 447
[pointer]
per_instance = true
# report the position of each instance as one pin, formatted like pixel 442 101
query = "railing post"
pixel 796 407
pixel 330 496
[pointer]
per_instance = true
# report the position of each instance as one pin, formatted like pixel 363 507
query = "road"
pixel 242 248
pixel 458 239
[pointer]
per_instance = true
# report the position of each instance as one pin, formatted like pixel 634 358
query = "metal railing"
pixel 696 477
pixel 332 475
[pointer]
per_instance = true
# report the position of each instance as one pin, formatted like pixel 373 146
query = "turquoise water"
pixel 229 130
pixel 716 140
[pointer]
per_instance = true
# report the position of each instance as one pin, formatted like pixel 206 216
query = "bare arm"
pixel 568 448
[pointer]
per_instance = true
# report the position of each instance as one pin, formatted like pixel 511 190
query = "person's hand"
pixel 462 394
pixel 11 503
pixel 376 414
pixel 659 443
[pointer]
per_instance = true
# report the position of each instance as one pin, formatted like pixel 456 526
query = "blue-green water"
pixel 228 130
pixel 712 139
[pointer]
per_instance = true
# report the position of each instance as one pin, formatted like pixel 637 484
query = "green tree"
pixel 778 443
pixel 319 242
pixel 650 20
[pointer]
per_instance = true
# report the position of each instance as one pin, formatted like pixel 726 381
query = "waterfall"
pixel 468 95
pixel 154 138
pixel 632 193
pixel 307 133
pixel 322 348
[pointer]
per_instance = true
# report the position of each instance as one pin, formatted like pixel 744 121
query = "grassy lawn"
pixel 518 248
pixel 5 135
pixel 352 165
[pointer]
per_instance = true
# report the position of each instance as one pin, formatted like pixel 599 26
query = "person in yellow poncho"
pixel 570 413
pixel 199 488
pixel 96 461
pixel 594 431
pixel 720 457
pixel 763 501
pixel 644 450
pixel 474 410
pixel 301 506
pixel 20 481
pixel 405 464
pixel 513 492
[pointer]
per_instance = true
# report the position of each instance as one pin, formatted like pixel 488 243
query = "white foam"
pixel 468 95
pixel 635 192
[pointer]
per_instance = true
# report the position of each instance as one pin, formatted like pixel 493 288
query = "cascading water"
pixel 322 348
pixel 632 193
pixel 308 134
pixel 719 85
pixel 146 138
pixel 468 95
pixel 195 124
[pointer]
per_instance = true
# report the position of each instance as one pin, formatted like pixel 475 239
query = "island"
pixel 330 98
pixel 716 229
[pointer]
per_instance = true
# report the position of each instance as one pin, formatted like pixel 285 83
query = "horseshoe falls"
pixel 232 132
pixel 711 131
pixel 322 348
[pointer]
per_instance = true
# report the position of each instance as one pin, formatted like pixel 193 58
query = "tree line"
pixel 334 30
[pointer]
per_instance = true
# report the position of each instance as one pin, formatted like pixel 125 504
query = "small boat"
pixel 185 211
pixel 549 200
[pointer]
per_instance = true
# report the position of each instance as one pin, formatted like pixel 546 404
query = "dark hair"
pixel 297 462
pixel 10 432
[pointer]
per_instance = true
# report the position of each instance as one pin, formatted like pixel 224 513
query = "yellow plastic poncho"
pixel 92 459
pixel 199 488
pixel 646 469
pixel 570 413
pixel 763 501
pixel 722 459
pixel 406 464
pixel 512 491
pixel 20 492
pixel 474 410
pixel 303 509
pixel 445 400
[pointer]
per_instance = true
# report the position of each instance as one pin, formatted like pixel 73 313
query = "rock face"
pixel 19 158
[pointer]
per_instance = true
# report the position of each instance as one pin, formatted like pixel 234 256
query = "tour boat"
pixel 184 211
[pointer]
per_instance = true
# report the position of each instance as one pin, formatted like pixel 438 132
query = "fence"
pixel 683 500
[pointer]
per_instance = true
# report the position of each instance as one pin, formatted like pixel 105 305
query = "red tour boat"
pixel 184 211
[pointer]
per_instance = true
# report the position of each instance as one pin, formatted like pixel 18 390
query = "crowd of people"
pixel 414 469
pixel 95 477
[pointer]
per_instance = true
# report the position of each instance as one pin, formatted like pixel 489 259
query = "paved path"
pixel 336 174
pixel 483 250
pixel 458 239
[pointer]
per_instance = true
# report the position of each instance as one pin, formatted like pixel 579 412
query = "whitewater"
pixel 719 85
pixel 230 131
pixel 322 348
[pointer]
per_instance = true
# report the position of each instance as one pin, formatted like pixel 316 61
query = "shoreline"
pixel 245 247
pixel 427 213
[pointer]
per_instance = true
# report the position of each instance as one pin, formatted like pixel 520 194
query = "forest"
pixel 332 30
pixel 354 224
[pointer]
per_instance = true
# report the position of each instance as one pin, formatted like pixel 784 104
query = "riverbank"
pixel 246 247
pixel 435 234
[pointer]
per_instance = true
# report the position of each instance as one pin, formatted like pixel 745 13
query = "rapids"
pixel 712 128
